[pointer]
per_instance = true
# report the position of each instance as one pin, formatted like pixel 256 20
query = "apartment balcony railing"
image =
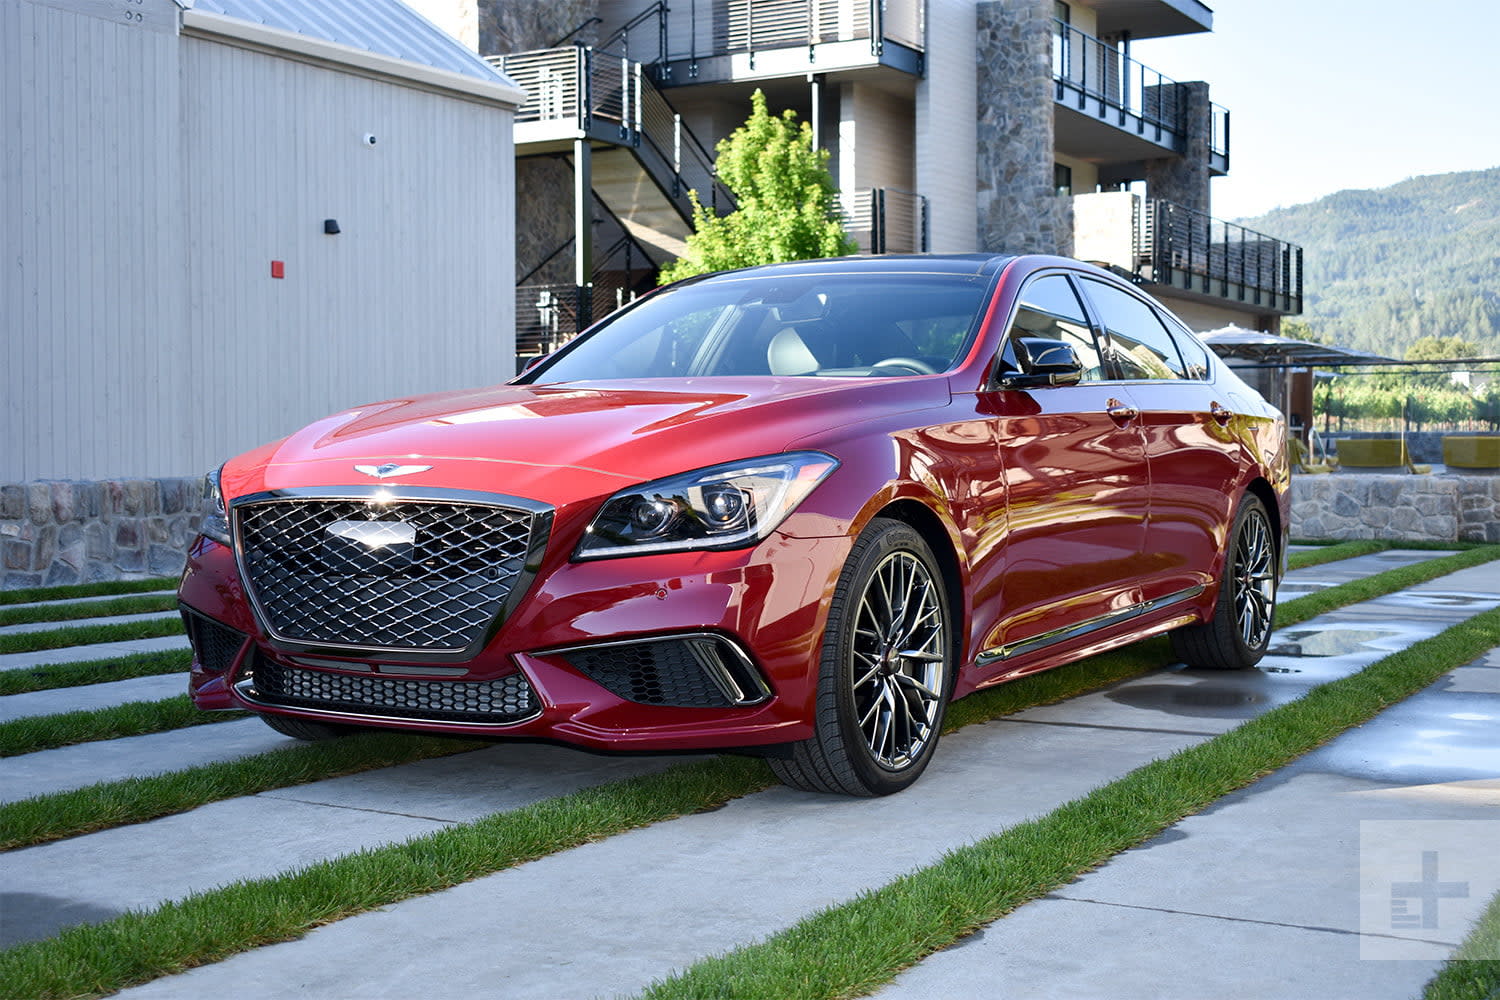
pixel 1198 253
pixel 1097 78
pixel 687 31
pixel 886 220
pixel 608 96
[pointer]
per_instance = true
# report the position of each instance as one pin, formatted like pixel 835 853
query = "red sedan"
pixel 791 511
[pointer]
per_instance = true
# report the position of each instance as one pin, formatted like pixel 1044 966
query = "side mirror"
pixel 1043 363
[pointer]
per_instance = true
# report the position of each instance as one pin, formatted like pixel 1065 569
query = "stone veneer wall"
pixel 533 24
pixel 1405 508
pixel 58 533
pixel 1183 180
pixel 1019 211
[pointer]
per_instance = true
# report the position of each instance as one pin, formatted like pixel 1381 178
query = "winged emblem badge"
pixel 390 469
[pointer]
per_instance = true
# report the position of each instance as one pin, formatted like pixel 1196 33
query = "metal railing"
pixel 584 85
pixel 886 220
pixel 1096 69
pixel 547 312
pixel 1218 258
pixel 698 29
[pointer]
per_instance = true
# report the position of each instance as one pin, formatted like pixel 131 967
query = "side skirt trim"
pixel 1105 621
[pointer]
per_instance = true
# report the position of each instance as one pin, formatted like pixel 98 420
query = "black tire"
pixel 1240 630
pixel 303 729
pixel 886 671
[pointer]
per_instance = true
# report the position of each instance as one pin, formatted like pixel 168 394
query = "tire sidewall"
pixel 1248 655
pixel 882 539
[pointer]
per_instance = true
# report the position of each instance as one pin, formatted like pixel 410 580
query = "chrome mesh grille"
pixel 402 574
pixel 507 699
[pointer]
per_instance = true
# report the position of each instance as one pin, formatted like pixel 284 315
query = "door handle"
pixel 1121 413
pixel 1219 413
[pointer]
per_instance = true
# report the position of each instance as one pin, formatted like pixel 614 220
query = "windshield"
pixel 827 325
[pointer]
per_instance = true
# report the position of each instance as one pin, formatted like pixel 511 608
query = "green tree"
pixel 788 206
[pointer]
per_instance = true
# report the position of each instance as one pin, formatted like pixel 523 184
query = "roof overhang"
pixel 1255 347
pixel 221 27
pixel 1152 18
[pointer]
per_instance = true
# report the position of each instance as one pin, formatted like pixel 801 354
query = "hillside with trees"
pixel 1388 267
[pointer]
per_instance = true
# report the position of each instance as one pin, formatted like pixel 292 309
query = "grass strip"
pixel 73 611
pixel 1333 552
pixel 85 635
pixel 135 718
pixel 1472 972
pixel 134 800
pixel 853 949
pixel 96 959
pixel 28 595
pixel 50 676
pixel 1321 601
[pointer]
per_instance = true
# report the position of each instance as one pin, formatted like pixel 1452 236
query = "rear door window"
pixel 1139 345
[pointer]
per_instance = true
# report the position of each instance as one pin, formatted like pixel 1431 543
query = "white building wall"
pixel 875 139
pixel 946 117
pixel 148 182
pixel 414 294
pixel 93 366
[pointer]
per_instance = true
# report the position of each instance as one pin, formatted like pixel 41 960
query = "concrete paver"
pixel 92 696
pixel 96 651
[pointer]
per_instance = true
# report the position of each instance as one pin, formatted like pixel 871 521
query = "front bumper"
pixel 677 651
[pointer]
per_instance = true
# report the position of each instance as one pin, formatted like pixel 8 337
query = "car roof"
pixel 958 263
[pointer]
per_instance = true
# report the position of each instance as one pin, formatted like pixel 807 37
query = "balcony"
pixel 1169 246
pixel 1112 109
pixel 719 41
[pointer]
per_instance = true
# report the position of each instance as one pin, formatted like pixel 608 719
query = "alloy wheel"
pixel 1254 580
pixel 898 658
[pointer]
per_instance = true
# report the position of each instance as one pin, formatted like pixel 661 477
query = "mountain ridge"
pixel 1384 267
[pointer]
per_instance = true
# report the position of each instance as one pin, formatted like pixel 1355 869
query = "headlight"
pixel 724 507
pixel 215 517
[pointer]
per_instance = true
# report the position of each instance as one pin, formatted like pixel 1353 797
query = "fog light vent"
pixel 694 671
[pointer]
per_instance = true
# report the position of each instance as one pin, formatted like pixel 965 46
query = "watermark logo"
pixel 1423 883
pixel 1428 892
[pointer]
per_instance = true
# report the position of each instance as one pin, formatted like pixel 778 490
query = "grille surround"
pixel 503 701
pixel 438 592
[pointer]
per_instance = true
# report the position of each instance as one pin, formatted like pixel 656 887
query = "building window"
pixel 1062 179
pixel 1062 12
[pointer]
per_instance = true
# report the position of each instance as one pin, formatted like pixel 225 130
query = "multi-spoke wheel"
pixel 886 671
pixel 1237 635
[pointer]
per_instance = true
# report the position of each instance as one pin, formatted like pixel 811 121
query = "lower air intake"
pixel 680 672
pixel 504 700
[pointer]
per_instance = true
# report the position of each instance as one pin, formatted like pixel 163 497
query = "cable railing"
pixel 698 29
pixel 886 220
pixel 1091 68
pixel 1219 258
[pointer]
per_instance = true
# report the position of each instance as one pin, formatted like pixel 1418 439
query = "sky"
pixel 1326 95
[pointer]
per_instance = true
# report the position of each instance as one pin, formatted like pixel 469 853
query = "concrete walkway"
pixel 609 917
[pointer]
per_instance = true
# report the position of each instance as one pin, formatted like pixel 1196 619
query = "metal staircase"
pixel 629 149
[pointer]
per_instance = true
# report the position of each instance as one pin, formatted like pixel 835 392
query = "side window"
pixel 1194 354
pixel 1049 308
pixel 1139 344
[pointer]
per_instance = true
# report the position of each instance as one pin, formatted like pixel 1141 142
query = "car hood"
pixel 562 442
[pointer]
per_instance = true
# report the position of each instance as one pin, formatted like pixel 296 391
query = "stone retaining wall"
pixel 57 533
pixel 1441 508
pixel 54 533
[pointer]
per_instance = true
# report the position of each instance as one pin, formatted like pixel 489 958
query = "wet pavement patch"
pixel 1327 641
pixel 31 916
